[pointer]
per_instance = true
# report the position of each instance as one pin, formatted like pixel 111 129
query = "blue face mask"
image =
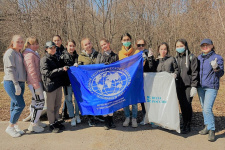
pixel 126 44
pixel 180 50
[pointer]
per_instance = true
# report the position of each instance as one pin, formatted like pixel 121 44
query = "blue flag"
pixel 102 89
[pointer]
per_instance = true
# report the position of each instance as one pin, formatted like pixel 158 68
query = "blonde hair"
pixel 82 41
pixel 13 39
pixel 105 40
pixel 30 41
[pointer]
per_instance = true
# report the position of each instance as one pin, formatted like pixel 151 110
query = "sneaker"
pixel 211 136
pixel 154 125
pixel 59 125
pixel 78 119
pixel 204 131
pixel 91 122
pixel 41 124
pixel 142 122
pixel 73 122
pixel 35 128
pixel 134 123
pixel 12 132
pixel 53 128
pixel 126 122
pixel 18 129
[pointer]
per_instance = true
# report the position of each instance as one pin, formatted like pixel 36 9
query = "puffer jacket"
pixel 107 58
pixel 167 64
pixel 188 70
pixel 210 78
pixel 32 65
pixel 85 59
pixel 67 59
pixel 52 72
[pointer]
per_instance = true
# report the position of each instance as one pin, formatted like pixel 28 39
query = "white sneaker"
pixel 41 124
pixel 12 132
pixel 78 119
pixel 18 129
pixel 35 128
pixel 73 122
pixel 126 122
pixel 134 123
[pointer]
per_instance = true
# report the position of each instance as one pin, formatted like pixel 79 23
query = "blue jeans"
pixel 17 101
pixel 134 111
pixel 69 102
pixel 207 98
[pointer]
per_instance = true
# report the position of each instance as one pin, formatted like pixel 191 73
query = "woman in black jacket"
pixel 69 58
pixel 107 57
pixel 164 62
pixel 186 82
pixel 51 74
pixel 59 51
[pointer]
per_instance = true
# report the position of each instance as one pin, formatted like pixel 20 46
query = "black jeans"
pixel 183 94
pixel 143 109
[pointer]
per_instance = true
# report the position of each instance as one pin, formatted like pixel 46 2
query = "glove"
pixel 144 56
pixel 38 91
pixel 18 89
pixel 75 64
pixel 193 92
pixel 214 63
pixel 174 75
pixel 150 52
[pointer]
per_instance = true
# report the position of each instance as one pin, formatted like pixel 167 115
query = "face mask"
pixel 126 44
pixel 180 50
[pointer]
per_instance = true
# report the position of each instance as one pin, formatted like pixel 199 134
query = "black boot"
pixel 204 131
pixel 211 136
pixel 111 123
pixel 186 128
pixel 59 125
pixel 106 126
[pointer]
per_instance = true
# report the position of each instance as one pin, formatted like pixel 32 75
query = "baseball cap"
pixel 49 44
pixel 206 41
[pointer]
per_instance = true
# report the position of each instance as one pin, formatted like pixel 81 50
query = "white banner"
pixel 161 100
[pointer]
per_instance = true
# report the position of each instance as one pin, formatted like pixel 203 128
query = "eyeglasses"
pixel 140 45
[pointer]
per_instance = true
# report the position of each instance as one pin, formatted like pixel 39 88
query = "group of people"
pixel 47 76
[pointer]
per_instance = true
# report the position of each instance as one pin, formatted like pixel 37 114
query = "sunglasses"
pixel 140 45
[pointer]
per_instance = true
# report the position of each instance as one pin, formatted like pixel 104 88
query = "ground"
pixel 143 137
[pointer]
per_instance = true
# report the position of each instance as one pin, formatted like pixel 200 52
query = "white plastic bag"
pixel 161 100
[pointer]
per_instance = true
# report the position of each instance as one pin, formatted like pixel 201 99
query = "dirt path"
pixel 84 137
